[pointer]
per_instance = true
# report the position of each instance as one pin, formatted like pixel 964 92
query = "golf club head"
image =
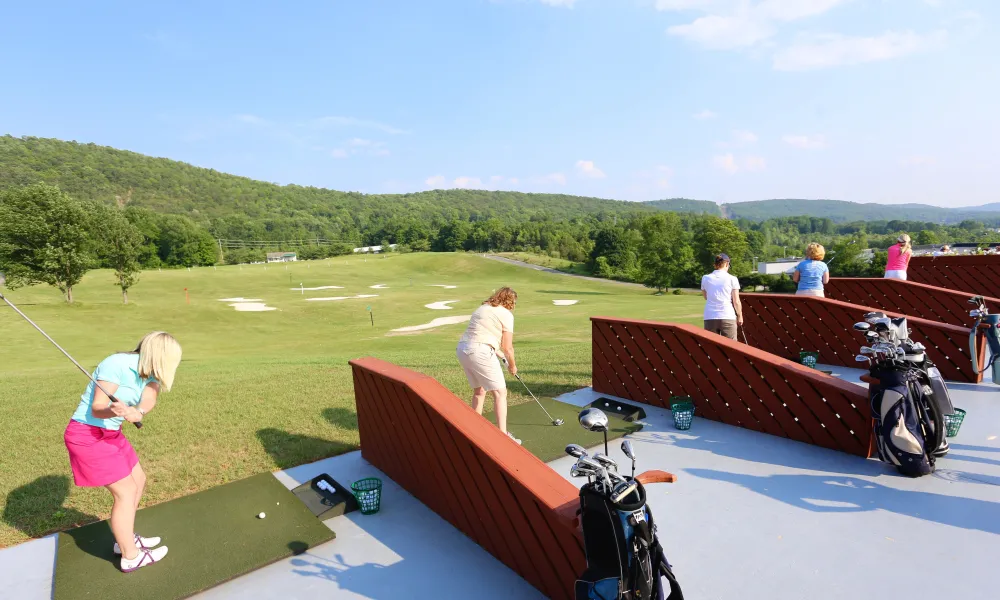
pixel 862 358
pixel 627 449
pixel 606 461
pixel 871 335
pixel 576 450
pixel 873 315
pixel 975 313
pixel 862 326
pixel 594 419
pixel 867 350
pixel 574 472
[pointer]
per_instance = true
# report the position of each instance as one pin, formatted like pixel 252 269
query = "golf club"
pixel 629 452
pixel 744 332
pixel 593 419
pixel 590 464
pixel 556 422
pixel 85 372
pixel 576 450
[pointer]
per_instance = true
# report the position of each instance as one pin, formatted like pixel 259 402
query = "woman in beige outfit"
pixel 491 328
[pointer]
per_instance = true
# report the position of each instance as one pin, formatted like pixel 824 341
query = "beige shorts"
pixel 481 365
pixel 723 327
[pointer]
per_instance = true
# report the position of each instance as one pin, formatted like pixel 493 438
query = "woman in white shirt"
pixel 723 311
pixel 491 328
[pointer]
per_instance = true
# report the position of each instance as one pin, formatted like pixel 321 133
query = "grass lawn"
pixel 257 391
pixel 541 260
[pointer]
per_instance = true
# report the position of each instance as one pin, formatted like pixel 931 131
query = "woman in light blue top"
pixel 812 273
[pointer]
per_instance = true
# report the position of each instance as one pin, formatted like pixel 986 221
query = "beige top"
pixel 488 324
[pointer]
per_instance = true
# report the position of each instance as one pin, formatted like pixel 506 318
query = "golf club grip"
pixel 138 425
pixel 655 477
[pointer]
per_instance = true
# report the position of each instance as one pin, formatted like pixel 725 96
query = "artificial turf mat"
pixel 213 536
pixel 548 442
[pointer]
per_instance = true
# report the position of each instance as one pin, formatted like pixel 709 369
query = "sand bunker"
pixel 447 287
pixel 252 306
pixel 440 305
pixel 313 289
pixel 341 298
pixel 380 286
pixel 564 302
pixel 240 299
pixel 435 323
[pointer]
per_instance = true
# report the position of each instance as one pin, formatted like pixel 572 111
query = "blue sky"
pixel 725 100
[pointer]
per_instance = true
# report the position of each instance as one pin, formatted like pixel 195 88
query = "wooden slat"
pixel 740 385
pixel 437 448
pixel 826 326
pixel 968 274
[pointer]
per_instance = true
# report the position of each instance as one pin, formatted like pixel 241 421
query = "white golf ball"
pixel 261 516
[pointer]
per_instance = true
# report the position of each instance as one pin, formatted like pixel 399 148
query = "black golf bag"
pixel 909 427
pixel 624 558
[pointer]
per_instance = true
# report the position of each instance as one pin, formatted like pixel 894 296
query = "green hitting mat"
pixel 548 442
pixel 213 536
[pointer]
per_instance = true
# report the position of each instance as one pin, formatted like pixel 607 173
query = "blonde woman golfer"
pixel 900 254
pixel 101 456
pixel 490 329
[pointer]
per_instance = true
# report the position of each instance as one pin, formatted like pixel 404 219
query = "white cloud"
pixel 338 153
pixel 726 162
pixel 496 179
pixel 732 164
pixel 720 32
pixel 329 122
pixel 663 176
pixel 683 4
pixel 791 10
pixel 587 168
pixel 561 3
pixel 832 50
pixel 436 182
pixel 806 142
pixel 251 119
pixel 467 182
pixel 741 137
pixel 513 180
pixel 704 114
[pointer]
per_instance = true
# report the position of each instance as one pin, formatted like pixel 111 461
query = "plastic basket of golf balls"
pixel 954 422
pixel 682 408
pixel 368 492
pixel 809 358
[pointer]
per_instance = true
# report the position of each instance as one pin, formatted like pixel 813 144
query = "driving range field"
pixel 265 383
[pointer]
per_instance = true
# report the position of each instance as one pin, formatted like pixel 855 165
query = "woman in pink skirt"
pixel 101 455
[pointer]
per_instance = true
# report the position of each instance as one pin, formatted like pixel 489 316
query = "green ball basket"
pixel 368 493
pixel 954 422
pixel 809 359
pixel 682 407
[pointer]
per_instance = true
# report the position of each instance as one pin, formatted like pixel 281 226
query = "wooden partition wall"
pixel 908 298
pixel 651 362
pixel 974 275
pixel 785 325
pixel 437 448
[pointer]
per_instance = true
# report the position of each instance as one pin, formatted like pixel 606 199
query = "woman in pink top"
pixel 899 258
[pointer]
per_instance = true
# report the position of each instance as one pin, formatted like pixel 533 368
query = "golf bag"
pixel 909 427
pixel 624 558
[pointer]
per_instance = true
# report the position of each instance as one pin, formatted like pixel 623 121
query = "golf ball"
pixel 261 516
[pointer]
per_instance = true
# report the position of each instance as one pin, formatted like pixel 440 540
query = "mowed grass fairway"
pixel 258 391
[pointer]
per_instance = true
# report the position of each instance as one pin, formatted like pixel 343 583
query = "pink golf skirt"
pixel 98 456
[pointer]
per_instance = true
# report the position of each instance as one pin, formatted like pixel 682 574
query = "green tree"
pixel 926 236
pixel 44 238
pixel 120 244
pixel 665 254
pixel 713 236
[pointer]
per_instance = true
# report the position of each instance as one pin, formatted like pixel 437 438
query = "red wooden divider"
pixel 436 447
pixel 970 274
pixel 785 325
pixel 650 362
pixel 907 297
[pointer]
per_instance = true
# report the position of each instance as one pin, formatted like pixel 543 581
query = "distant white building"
pixel 372 249
pixel 273 257
pixel 777 267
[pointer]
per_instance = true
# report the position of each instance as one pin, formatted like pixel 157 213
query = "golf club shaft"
pixel 73 360
pixel 744 332
pixel 533 396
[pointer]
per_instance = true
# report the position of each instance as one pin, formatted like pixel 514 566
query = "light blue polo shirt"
pixel 811 274
pixel 123 369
